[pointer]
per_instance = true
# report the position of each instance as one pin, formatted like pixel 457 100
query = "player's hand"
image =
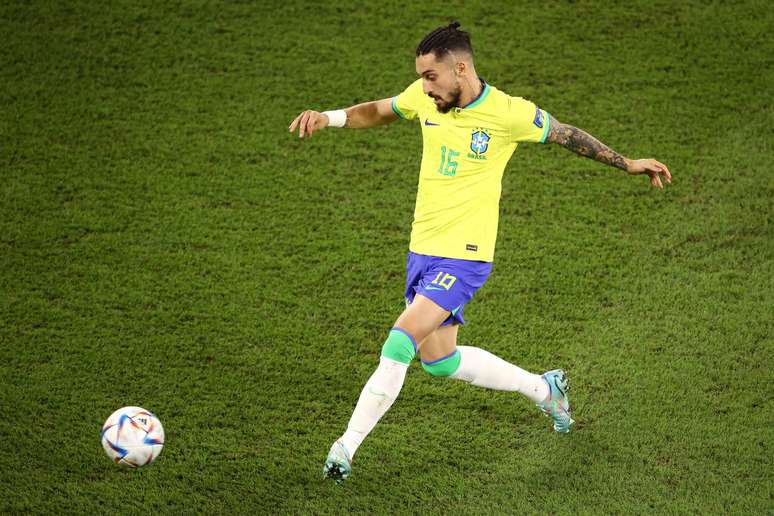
pixel 308 122
pixel 654 169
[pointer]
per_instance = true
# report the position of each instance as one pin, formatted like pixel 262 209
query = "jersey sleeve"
pixel 527 122
pixel 406 104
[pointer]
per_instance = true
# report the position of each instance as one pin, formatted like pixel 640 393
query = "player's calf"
pixel 376 398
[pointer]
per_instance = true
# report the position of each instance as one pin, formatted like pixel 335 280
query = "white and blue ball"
pixel 132 437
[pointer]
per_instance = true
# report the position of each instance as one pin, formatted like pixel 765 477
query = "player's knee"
pixel 445 366
pixel 399 346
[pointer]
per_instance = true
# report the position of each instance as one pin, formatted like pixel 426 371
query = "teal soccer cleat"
pixel 338 465
pixel 557 406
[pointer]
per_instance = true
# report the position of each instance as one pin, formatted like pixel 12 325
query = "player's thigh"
pixel 441 343
pixel 421 318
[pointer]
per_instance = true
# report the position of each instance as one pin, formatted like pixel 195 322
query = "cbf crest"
pixel 479 143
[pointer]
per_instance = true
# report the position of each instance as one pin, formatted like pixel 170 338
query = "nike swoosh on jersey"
pixel 428 122
pixel 433 287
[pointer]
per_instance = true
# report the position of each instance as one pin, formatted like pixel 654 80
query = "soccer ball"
pixel 132 437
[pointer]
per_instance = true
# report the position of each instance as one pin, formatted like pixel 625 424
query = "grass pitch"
pixel 164 242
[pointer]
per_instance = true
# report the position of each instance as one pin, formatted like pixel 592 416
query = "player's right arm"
pixel 359 116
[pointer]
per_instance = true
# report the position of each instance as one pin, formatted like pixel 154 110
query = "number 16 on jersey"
pixel 448 166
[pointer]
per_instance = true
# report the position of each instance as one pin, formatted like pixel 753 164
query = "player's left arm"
pixel 582 143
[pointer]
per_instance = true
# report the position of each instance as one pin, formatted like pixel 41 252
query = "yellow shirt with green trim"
pixel 464 155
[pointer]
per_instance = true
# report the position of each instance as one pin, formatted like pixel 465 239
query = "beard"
pixel 445 106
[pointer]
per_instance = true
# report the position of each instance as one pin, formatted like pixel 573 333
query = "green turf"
pixel 164 242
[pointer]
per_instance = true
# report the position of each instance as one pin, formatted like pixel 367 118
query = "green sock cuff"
pixel 399 346
pixel 445 366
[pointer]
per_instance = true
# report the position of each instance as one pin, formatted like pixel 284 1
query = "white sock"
pixel 375 400
pixel 483 369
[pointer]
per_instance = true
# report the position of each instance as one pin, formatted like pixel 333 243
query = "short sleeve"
pixel 527 122
pixel 406 105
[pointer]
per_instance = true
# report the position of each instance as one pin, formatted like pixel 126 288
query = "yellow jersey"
pixel 464 154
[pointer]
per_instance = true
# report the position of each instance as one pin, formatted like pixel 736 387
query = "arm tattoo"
pixel 582 143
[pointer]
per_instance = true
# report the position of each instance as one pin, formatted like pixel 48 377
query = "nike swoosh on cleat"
pixel 556 384
pixel 428 122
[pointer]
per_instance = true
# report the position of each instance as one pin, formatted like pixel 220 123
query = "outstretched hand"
pixel 654 169
pixel 308 122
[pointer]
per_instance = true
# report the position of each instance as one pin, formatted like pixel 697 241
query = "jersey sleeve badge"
pixel 538 121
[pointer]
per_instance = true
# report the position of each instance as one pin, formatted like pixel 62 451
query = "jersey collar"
pixel 481 96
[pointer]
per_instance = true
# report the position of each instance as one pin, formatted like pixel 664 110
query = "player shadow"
pixel 552 457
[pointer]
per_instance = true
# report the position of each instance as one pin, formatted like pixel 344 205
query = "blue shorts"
pixel 449 282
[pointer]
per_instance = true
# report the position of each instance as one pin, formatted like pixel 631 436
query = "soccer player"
pixel 470 130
